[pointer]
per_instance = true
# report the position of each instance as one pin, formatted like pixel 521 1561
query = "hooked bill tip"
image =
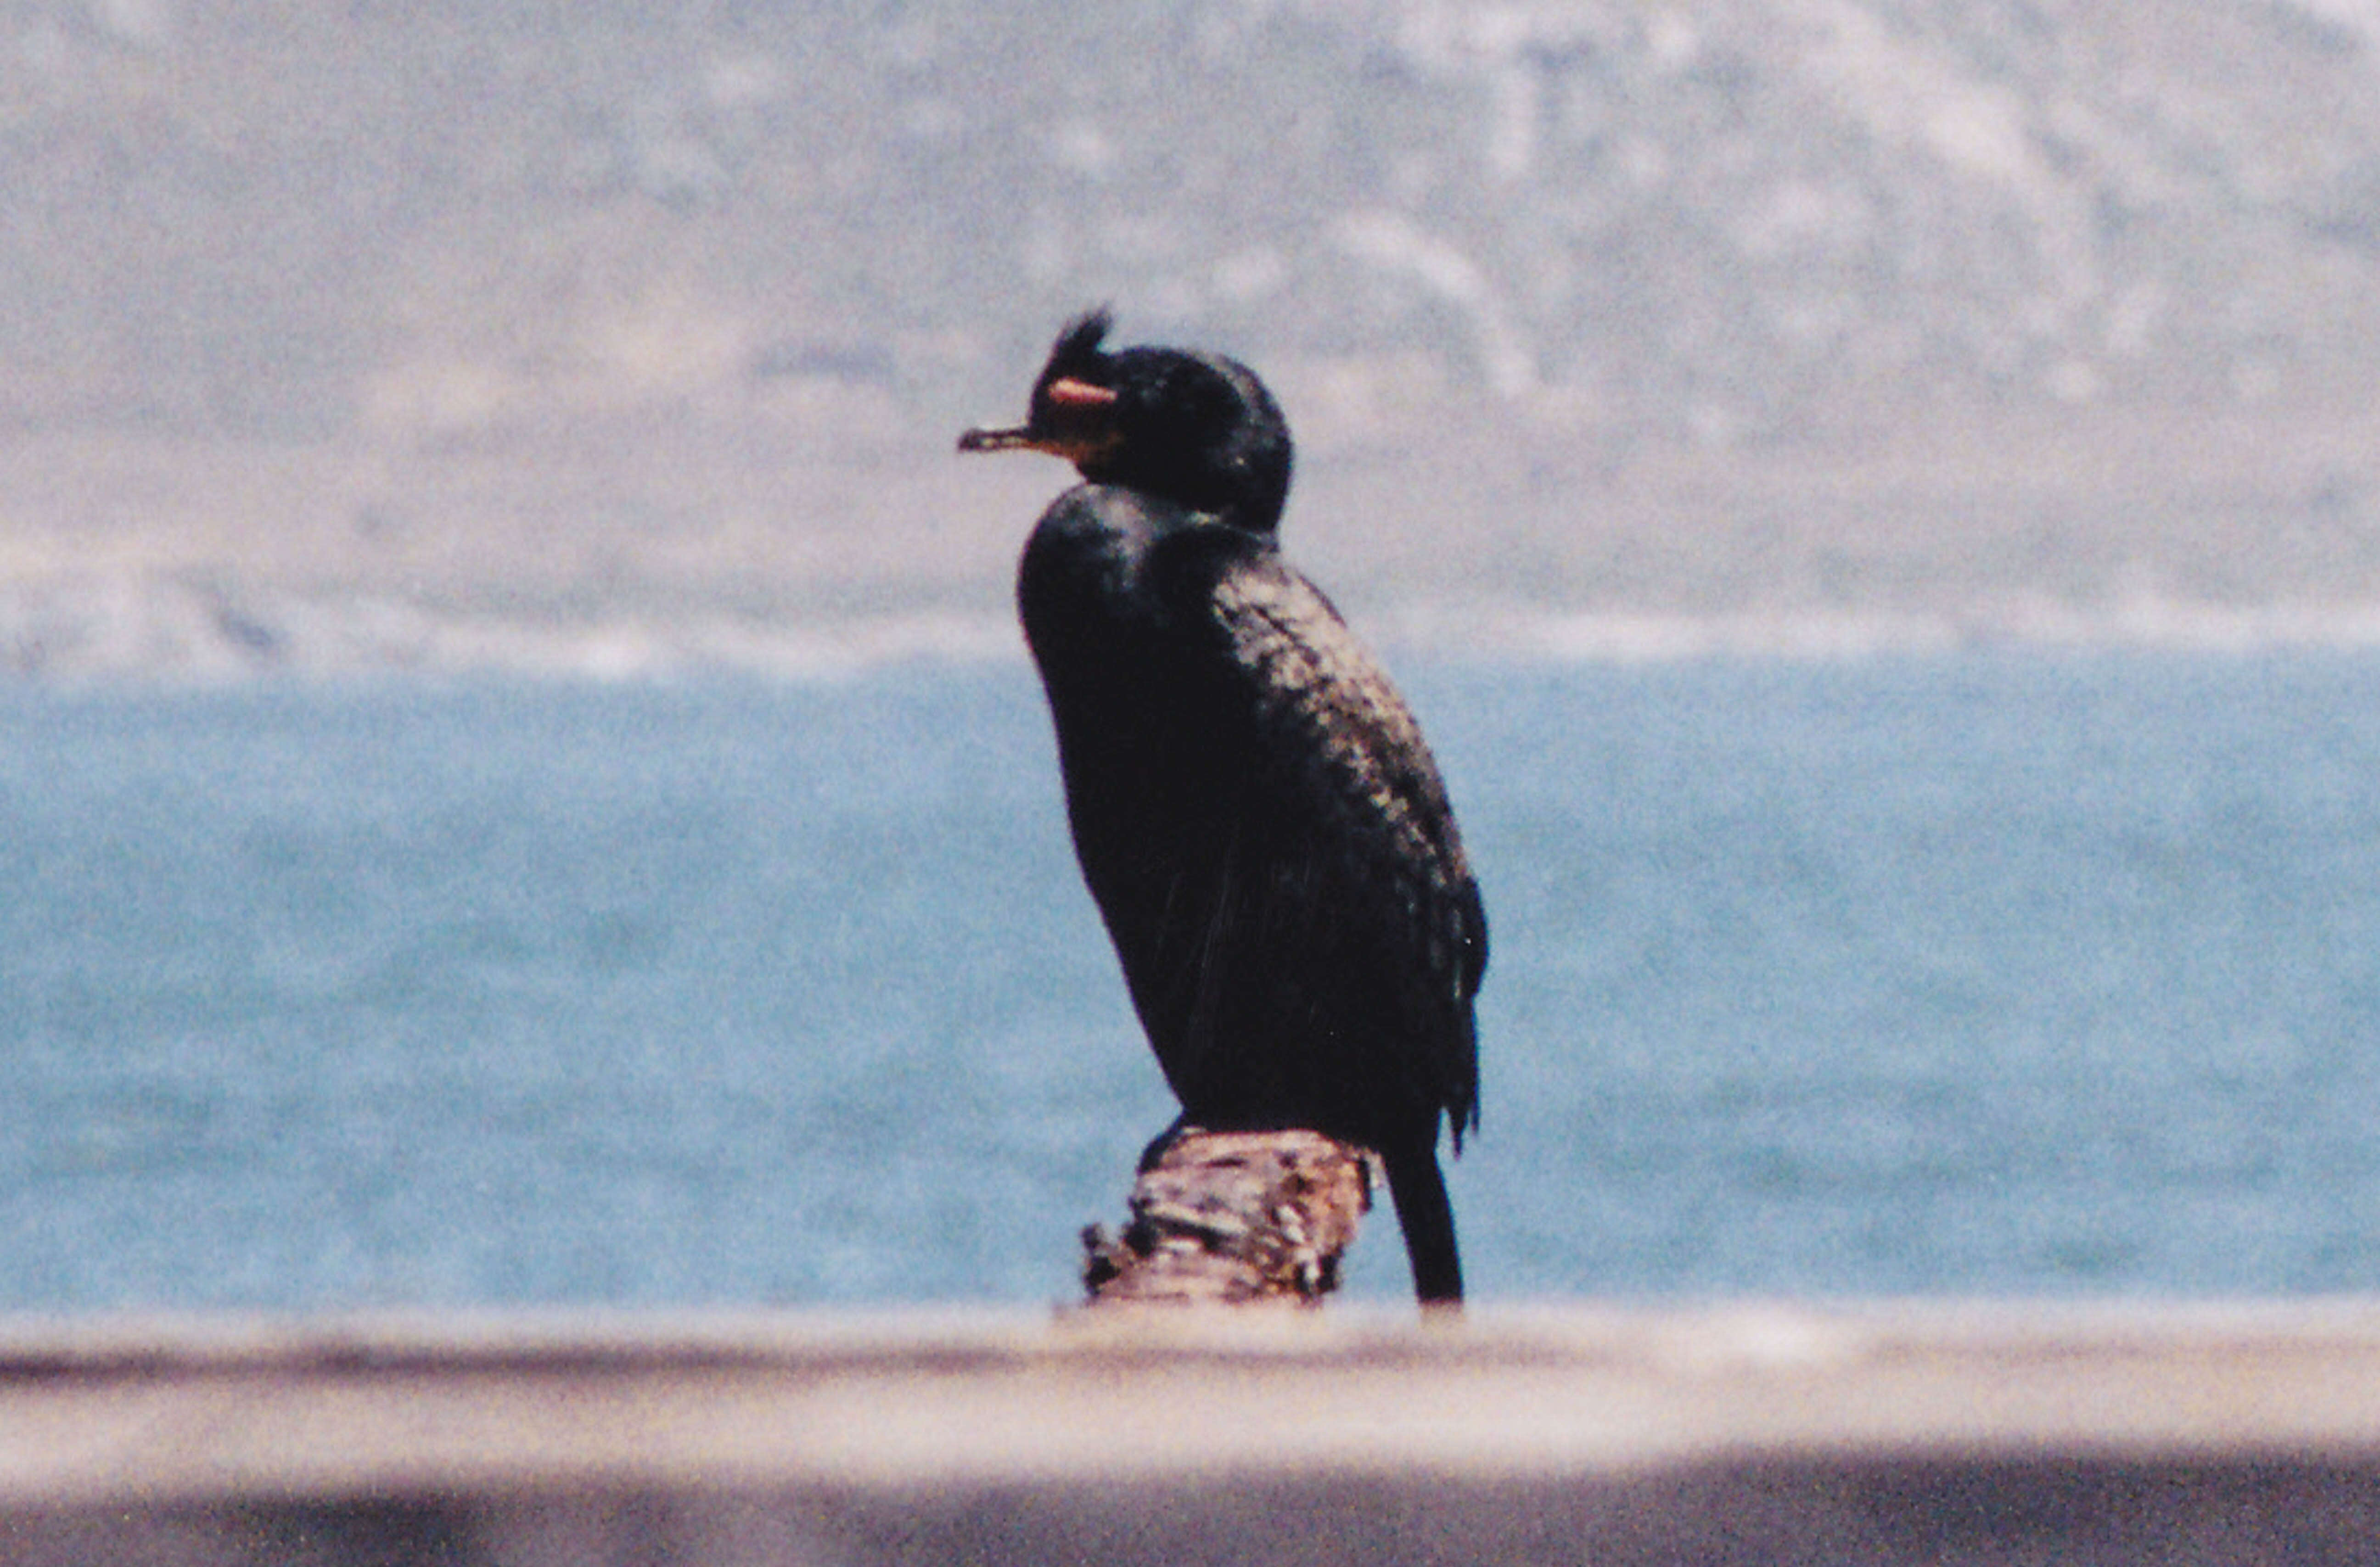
pixel 994 440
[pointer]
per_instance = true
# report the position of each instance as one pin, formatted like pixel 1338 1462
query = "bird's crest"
pixel 1078 344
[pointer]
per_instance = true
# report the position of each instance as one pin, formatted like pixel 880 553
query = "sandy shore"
pixel 797 535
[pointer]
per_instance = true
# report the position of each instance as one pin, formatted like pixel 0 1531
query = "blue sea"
pixel 1987 972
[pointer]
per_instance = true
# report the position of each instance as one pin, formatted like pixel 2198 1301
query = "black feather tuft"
pixel 1079 343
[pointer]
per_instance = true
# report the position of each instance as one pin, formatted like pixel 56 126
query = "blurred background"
pixel 519 782
pixel 345 333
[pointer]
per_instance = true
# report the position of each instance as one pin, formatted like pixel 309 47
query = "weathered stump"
pixel 1234 1218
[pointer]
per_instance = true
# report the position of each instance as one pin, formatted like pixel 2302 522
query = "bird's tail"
pixel 1418 1189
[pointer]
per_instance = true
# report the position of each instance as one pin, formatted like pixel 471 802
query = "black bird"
pixel 1258 819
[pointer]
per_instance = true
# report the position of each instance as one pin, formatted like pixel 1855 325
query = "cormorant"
pixel 1260 823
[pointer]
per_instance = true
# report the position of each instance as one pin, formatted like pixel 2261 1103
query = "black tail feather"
pixel 1418 1189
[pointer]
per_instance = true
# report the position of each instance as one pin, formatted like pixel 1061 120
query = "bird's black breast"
pixel 1153 740
pixel 1260 821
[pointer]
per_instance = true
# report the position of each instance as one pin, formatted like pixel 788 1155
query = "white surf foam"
pixel 133 628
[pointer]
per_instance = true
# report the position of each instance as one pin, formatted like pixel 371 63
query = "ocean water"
pixel 1970 973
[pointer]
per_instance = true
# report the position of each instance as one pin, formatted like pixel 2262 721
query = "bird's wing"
pixel 1334 733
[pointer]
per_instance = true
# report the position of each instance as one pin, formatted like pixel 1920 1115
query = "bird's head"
pixel 1195 428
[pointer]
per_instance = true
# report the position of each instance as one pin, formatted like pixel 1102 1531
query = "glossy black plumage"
pixel 1255 812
